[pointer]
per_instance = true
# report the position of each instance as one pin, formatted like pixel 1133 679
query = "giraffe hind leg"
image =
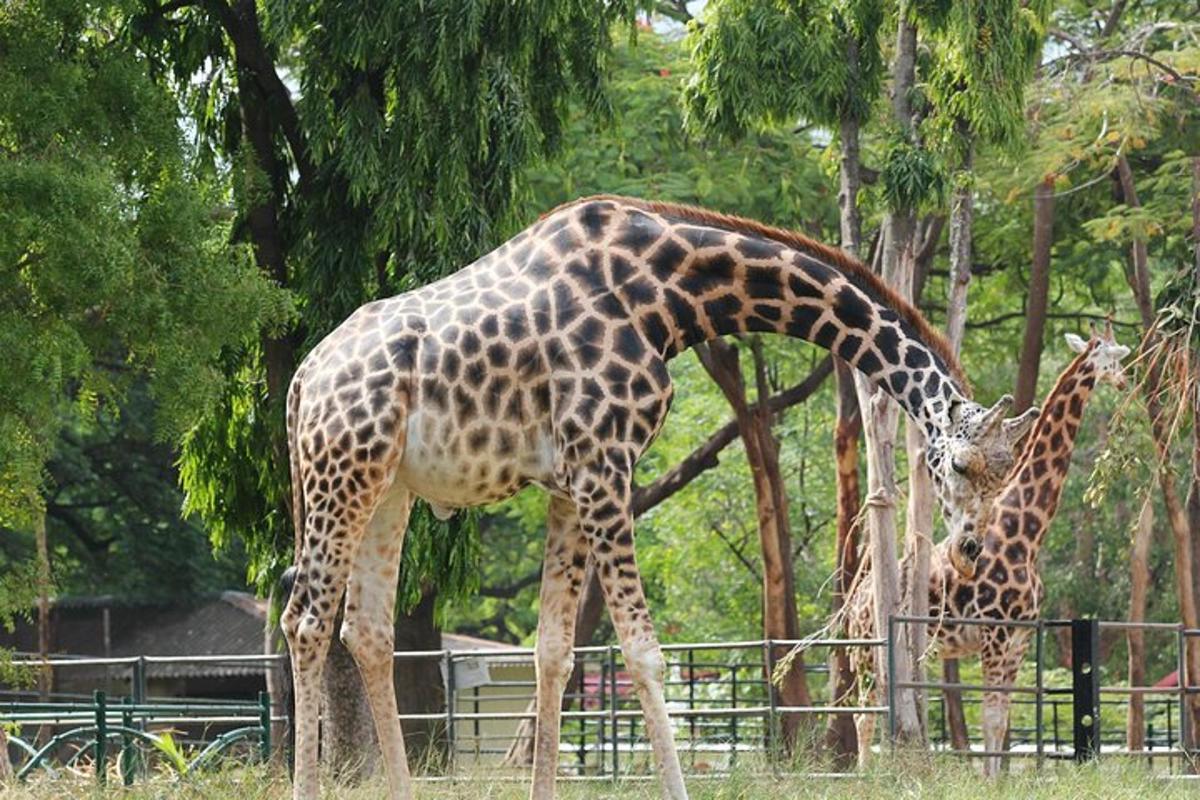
pixel 368 630
pixel 339 503
pixel 562 582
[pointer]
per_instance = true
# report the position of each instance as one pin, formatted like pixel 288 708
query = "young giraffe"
pixel 545 362
pixel 1003 583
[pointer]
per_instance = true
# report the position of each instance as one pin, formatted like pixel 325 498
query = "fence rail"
pixel 720 701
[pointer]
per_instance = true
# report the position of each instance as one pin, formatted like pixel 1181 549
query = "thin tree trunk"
pixel 956 720
pixel 1038 296
pixel 279 684
pixel 840 735
pixel 348 742
pixel 880 423
pixel 1193 498
pixel 962 215
pixel 1139 580
pixel 961 253
pixel 780 620
pixel 1138 276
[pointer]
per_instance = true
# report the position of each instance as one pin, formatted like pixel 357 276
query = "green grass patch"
pixel 902 779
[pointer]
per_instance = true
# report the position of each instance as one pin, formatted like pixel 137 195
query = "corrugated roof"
pixel 225 624
pixel 231 624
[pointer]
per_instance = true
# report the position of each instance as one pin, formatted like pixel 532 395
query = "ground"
pixel 942 780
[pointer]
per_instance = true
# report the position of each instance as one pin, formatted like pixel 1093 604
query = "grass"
pixel 936 780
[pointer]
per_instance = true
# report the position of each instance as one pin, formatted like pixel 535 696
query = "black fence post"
pixel 1085 687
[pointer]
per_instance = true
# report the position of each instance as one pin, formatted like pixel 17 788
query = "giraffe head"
pixel 969 463
pixel 1104 353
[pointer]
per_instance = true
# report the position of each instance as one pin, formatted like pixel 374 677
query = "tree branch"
pixel 704 457
pixel 513 589
pixel 737 551
pixel 242 28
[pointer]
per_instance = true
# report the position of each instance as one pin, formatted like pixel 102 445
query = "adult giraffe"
pixel 545 362
pixel 1003 581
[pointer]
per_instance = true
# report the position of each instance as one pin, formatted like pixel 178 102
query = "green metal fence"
pixel 93 729
pixel 719 698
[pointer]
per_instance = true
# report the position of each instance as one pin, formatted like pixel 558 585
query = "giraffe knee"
pixel 369 643
pixel 307 636
pixel 646 666
pixel 554 661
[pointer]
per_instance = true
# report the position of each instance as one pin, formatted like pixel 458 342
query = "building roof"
pixel 220 624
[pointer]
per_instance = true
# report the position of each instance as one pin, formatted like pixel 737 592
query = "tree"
pixel 117 270
pixel 362 184
pixel 756 63
pixel 722 362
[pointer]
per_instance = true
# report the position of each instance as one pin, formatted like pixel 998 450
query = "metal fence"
pixel 718 701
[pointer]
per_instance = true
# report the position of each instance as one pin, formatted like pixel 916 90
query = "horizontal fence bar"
pixel 1139 690
pixel 982 623
pixel 970 687
pixel 1140 626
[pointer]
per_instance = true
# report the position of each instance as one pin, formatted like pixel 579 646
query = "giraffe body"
pixel 545 362
pixel 1003 583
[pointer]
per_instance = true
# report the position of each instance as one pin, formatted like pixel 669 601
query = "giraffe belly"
pixel 450 469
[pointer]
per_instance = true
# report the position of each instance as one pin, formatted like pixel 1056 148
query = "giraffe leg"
pixel 1000 664
pixel 368 630
pixel 864 724
pixel 333 526
pixel 602 498
pixel 562 579
pixel 307 623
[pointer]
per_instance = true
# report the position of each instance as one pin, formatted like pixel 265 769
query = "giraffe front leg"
pixel 1001 659
pixel 602 499
pixel 562 581
pixel 369 632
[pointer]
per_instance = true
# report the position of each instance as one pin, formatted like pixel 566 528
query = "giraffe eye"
pixel 958 466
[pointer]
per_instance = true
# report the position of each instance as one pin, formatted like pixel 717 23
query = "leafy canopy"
pixel 114 259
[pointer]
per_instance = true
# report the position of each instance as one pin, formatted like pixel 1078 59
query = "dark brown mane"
pixel 860 274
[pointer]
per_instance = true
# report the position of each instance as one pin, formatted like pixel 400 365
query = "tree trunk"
pixel 1038 296
pixel 780 621
pixel 1138 277
pixel 419 686
pixel 840 735
pixel 1139 580
pixel 880 422
pixel 279 684
pixel 962 216
pixel 956 720
pixel 1193 497
pixel 348 742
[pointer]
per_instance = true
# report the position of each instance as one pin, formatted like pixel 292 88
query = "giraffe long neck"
pixel 685 282
pixel 1029 502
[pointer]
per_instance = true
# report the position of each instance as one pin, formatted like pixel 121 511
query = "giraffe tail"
pixel 298 510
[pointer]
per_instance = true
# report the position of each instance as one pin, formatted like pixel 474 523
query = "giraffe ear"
pixel 1076 343
pixel 1119 351
pixel 1016 428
